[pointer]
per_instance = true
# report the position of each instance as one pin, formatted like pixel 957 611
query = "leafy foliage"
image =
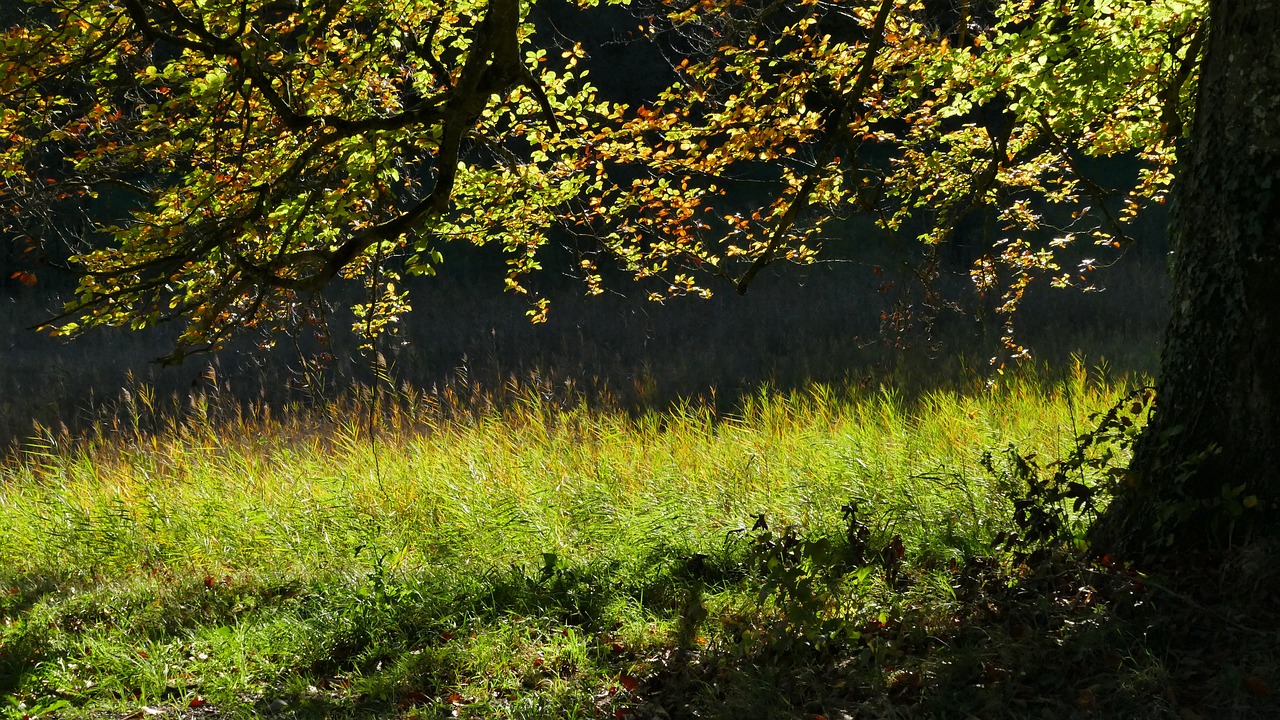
pixel 269 148
pixel 223 162
pixel 814 581
pixel 789 116
pixel 1064 497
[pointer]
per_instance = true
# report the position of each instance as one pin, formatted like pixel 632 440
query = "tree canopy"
pixel 221 162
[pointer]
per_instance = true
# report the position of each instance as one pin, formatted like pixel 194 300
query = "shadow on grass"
pixel 376 644
pixel 18 650
pixel 1070 639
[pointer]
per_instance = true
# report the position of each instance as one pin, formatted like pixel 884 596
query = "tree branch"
pixel 1172 94
pixel 841 132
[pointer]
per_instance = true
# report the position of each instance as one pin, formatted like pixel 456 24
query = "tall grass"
pixel 242 491
pixel 438 552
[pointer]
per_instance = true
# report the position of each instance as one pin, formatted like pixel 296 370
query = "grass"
pixel 535 557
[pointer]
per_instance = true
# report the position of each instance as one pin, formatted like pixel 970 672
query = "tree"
pixel 272 147
pixel 269 148
pixel 917 114
pixel 1206 470
pixel 220 162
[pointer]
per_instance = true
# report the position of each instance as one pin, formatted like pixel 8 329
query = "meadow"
pixel 824 552
pixel 744 508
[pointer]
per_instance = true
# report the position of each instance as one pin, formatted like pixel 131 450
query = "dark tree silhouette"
pixel 1207 469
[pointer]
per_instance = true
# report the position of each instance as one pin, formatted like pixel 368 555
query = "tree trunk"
pixel 1207 469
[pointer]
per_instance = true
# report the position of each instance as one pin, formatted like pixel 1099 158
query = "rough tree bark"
pixel 1207 469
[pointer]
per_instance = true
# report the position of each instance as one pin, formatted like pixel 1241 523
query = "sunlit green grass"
pixel 529 558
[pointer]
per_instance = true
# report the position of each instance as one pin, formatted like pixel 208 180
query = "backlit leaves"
pixel 270 148
pixel 915 115
pixel 234 158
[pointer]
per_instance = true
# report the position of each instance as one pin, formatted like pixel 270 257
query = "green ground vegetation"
pixel 825 552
